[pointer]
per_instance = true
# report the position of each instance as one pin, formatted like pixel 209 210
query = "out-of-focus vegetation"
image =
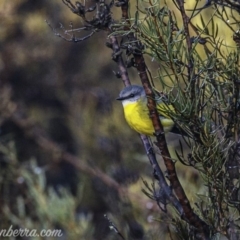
pixel 69 91
pixel 65 92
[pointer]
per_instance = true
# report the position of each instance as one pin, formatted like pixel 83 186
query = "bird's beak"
pixel 119 98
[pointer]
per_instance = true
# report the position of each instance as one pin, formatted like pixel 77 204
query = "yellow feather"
pixel 137 116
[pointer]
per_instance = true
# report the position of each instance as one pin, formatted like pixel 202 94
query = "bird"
pixel 134 101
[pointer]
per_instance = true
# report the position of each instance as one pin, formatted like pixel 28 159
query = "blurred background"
pixel 66 92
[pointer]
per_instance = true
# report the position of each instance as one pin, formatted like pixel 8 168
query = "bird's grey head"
pixel 131 94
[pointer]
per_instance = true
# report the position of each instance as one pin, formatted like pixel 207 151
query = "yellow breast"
pixel 137 116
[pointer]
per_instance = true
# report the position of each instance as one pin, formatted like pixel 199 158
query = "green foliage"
pixel 202 84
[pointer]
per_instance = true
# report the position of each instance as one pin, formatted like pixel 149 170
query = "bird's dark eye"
pixel 131 95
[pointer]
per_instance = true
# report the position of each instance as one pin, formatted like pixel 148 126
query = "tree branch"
pixel 188 213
